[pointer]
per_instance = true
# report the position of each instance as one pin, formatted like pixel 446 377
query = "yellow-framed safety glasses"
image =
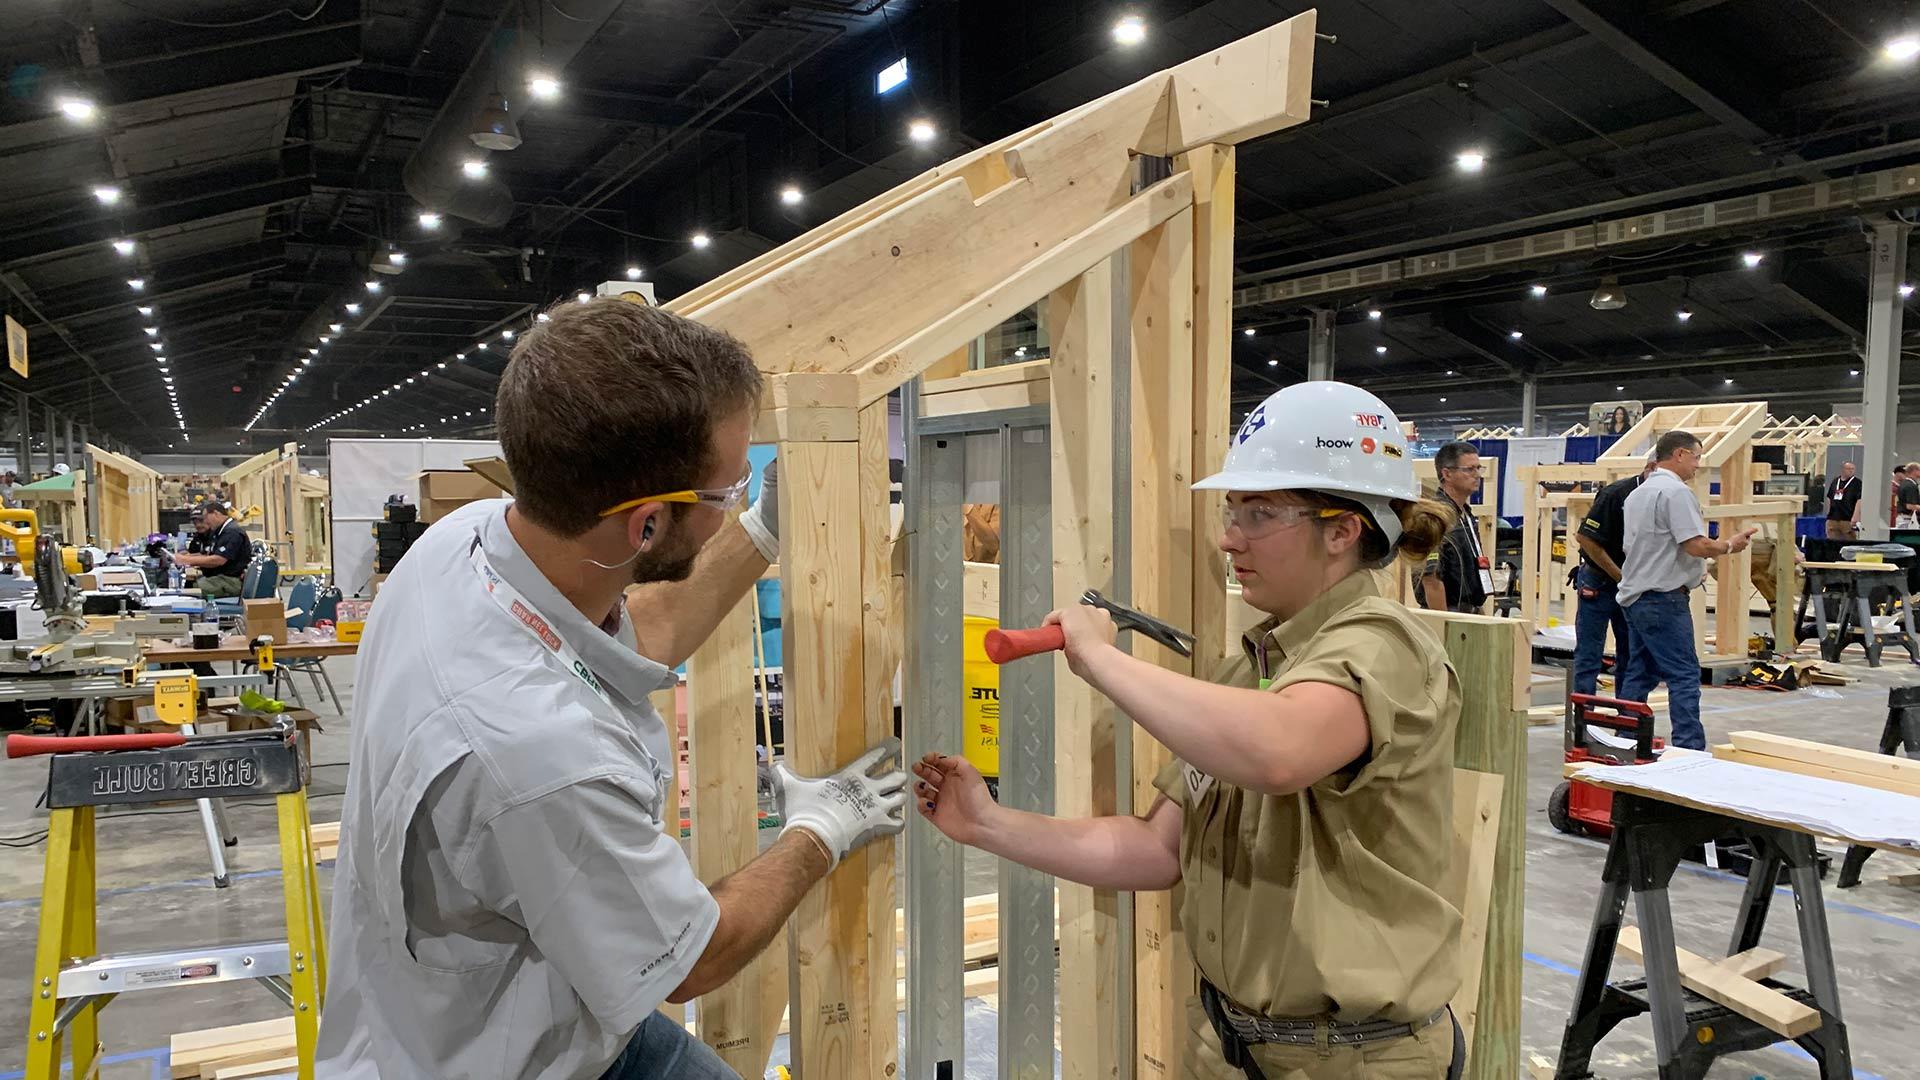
pixel 722 499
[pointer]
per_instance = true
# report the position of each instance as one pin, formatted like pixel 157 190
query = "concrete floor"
pixel 155 891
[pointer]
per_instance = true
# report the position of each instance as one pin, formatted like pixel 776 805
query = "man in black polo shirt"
pixel 1843 504
pixel 1603 554
pixel 1458 575
pixel 226 553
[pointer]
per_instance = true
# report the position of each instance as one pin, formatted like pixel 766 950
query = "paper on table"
pixel 1826 807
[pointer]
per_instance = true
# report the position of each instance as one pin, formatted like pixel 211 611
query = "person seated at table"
pixel 225 553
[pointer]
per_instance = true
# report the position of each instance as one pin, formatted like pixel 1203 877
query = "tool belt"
pixel 1239 1031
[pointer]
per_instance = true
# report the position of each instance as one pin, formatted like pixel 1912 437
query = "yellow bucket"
pixel 981 683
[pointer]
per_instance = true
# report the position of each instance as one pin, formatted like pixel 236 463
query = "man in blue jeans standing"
pixel 1601 537
pixel 1667 547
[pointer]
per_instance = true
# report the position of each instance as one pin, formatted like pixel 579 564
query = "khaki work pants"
pixel 1422 1056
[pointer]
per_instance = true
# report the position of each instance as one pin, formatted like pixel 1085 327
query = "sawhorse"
pixel 1901 733
pixel 1849 582
pixel 1650 836
pixel 70 983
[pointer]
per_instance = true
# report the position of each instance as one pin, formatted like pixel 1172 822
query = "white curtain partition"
pixel 1546 451
pixel 363 473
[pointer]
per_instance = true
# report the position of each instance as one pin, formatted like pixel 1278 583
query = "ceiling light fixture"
pixel 1538 291
pixel 429 220
pixel 581 298
pixel 1751 259
pixel 1248 331
pixel 145 309
pixel 336 327
pixel 1900 50
pixel 633 274
pixel 151 331
pixel 921 131
pixel 508 334
pixel 77 109
pixel 353 309
pixel 123 247
pixel 1470 161
pixel 1608 296
pixel 790 196
pixel 543 317
pixel 1906 288
pixel 543 86
pixel 1380 350
pixel 1374 314
pixel 136 284
pixel 106 193
pixel 1130 30
pixel 1683 314
pixel 1514 335
pixel 700 240
pixel 1853 371
pixel 474 168
pixel 155 346
pixel 373 286
pixel 1273 361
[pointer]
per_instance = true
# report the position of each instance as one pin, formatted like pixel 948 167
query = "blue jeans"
pixel 662 1050
pixel 1662 628
pixel 1594 615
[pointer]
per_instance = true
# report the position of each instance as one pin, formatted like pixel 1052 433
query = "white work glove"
pixel 762 519
pixel 849 808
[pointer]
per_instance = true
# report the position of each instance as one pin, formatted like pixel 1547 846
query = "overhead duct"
pixel 490 96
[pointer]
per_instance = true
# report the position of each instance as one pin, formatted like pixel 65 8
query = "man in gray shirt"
pixel 1667 548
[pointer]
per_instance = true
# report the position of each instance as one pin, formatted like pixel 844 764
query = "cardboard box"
pixel 265 617
pixel 443 491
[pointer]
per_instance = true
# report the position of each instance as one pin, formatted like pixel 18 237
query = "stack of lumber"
pixel 325 840
pixel 1864 767
pixel 240 1050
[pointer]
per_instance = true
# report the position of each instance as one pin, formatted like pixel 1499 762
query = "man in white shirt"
pixel 1667 548
pixel 511 899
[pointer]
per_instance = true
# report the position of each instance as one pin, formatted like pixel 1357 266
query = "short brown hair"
pixel 612 400
pixel 1673 442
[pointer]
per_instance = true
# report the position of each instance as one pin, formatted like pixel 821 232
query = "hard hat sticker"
pixel 1256 420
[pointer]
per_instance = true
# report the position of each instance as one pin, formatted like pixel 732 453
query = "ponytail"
pixel 1424 524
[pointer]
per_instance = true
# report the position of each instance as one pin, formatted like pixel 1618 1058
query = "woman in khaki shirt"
pixel 1308 814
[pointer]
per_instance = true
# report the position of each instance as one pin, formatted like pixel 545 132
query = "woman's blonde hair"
pixel 1424 524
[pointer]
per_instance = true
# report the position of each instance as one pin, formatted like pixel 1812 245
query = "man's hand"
pixel 849 808
pixel 1738 542
pixel 1088 630
pixel 952 795
pixel 762 519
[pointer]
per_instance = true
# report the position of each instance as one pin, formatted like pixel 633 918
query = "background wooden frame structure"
pixel 272 481
pixel 872 299
pixel 123 498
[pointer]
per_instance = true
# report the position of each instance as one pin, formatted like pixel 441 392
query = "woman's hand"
pixel 951 793
pixel 1088 630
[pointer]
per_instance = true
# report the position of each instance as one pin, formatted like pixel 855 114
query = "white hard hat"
pixel 62 469
pixel 1331 437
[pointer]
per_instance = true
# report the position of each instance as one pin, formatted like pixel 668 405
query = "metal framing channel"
pixel 1027 962
pixel 934 885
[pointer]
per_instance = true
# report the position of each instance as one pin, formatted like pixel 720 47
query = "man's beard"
pixel 666 565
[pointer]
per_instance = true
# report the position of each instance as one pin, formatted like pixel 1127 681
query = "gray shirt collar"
pixel 614 657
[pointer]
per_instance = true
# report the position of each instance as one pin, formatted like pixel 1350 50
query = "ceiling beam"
pixel 1826 297
pixel 1618 27
pixel 207 199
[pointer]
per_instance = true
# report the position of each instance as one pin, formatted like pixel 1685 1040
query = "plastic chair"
pixel 260 581
pixel 302 609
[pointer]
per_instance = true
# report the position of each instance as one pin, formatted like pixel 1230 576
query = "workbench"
pixel 1652 832
pixel 1852 581
pixel 236 647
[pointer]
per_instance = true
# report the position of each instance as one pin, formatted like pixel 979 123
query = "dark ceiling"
pixel 270 152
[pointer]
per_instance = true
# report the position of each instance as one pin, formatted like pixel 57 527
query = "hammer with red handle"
pixel 1006 645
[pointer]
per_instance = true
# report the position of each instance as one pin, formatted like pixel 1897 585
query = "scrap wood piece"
pixel 267 1067
pixel 198 1053
pixel 1728 982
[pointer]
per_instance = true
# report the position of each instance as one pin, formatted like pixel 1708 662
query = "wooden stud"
pixel 1080 326
pixel 1212 167
pixel 1469 884
pixel 1886 767
pixel 880 646
pixel 723 782
pixel 1733 574
pixel 1160 295
pixel 825 698
pixel 1491 738
pixel 1752 964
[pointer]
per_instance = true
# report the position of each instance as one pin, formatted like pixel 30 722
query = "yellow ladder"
pixel 71 984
